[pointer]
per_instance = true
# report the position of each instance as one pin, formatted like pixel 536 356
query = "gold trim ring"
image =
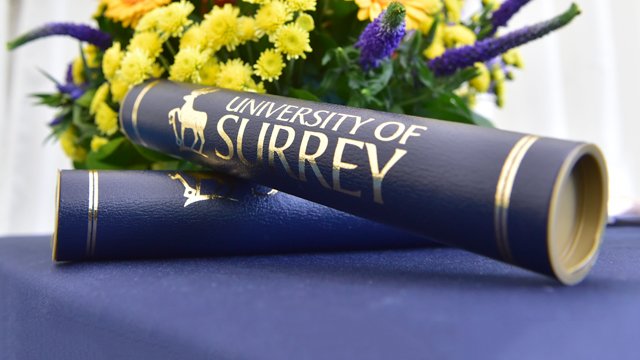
pixel 503 193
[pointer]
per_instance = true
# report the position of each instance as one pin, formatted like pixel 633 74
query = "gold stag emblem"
pixel 192 119
pixel 194 193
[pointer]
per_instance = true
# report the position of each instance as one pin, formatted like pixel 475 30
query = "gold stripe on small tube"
pixel 96 193
pixel 136 106
pixel 503 193
pixel 90 213
pixel 54 239
pixel 93 213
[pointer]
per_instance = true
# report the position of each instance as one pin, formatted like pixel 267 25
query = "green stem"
pixel 414 100
pixel 249 53
pixel 277 84
pixel 325 9
pixel 289 75
pixel 165 63
pixel 171 49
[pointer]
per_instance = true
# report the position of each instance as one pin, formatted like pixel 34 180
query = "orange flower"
pixel 129 12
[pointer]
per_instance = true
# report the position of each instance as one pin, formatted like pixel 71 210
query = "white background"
pixel 579 83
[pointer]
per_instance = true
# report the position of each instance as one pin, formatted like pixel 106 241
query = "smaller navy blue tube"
pixel 154 214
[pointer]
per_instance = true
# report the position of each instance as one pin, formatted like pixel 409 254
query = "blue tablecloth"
pixel 404 304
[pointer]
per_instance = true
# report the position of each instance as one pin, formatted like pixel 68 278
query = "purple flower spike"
pixel 78 31
pixel 506 11
pixel 69 75
pixel 459 58
pixel 56 121
pixel 382 36
pixel 74 92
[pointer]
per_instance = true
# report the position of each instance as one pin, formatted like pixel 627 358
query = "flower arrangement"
pixel 418 57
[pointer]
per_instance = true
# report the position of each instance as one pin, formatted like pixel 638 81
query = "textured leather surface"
pixel 143 214
pixel 444 187
pixel 435 303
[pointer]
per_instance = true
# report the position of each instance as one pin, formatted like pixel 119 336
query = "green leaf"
pixel 85 99
pixel 166 165
pixel 76 115
pixel 153 155
pixel 481 120
pixel 109 148
pixel 342 58
pixel 432 32
pixel 189 166
pixel 329 80
pixel 380 80
pixel 450 83
pixel 415 45
pixel 425 76
pixel 451 108
pixel 303 94
pixel 52 100
pixel 93 162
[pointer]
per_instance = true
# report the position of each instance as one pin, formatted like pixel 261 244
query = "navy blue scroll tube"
pixel 153 214
pixel 537 203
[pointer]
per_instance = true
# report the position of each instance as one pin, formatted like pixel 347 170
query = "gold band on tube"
pixel 92 213
pixel 54 238
pixel 503 193
pixel 136 106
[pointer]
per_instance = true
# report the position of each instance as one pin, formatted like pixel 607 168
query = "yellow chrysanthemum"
pixel 292 41
pixel 129 12
pixel 499 78
pixel 302 5
pixel 458 35
pixel 136 67
pixel 156 70
pixel 150 20
pixel 147 41
pixel 271 16
pixel 97 142
pixel 255 87
pixel 513 57
pixel 247 30
pixel 371 9
pixel 111 61
pixel 234 74
pixel 119 89
pixel 175 19
pixel 483 80
pixel 99 97
pixel 106 119
pixel 493 4
pixel 221 27
pixel 269 66
pixel 68 143
pixel 187 64
pixel 454 10
pixel 305 21
pixel 209 72
pixel 194 37
pixel 77 71
pixel 91 56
